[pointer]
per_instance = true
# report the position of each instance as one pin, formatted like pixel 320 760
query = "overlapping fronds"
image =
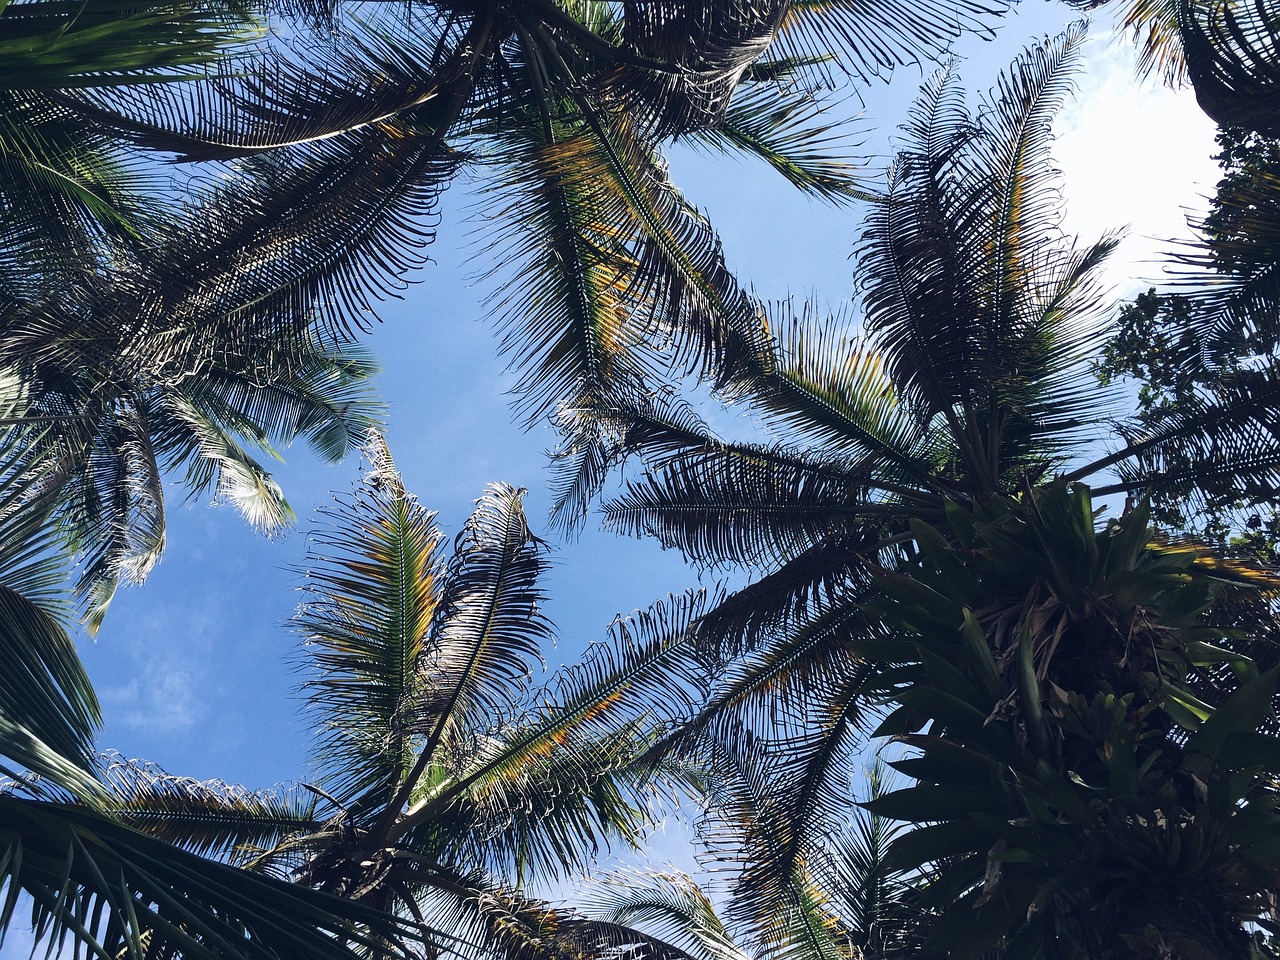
pixel 583 740
pixel 98 888
pixel 793 132
pixel 697 54
pixel 314 85
pixel 1232 52
pixel 1220 437
pixel 600 435
pixel 754 508
pixel 623 264
pixel 373 590
pixel 667 905
pixel 821 380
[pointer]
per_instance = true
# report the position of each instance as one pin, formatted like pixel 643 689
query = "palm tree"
pixel 344 137
pixel 327 148
pixel 123 383
pixel 968 382
pixel 67 862
pixel 444 780
pixel 1098 774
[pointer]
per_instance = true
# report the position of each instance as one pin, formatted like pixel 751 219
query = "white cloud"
pixel 162 698
pixel 1136 155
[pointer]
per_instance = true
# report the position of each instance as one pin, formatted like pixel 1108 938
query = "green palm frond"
pixel 485 641
pixel 115 892
pixel 373 590
pixel 1231 52
pixel 52 44
pixel 632 262
pixel 646 675
pixel 826 383
pixel 667 905
pixel 48 710
pixel 748 507
pixel 319 84
pixel 791 131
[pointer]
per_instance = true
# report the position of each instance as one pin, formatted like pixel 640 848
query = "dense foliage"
pixel 1087 706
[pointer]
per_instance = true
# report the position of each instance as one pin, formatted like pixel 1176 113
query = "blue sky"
pixel 194 668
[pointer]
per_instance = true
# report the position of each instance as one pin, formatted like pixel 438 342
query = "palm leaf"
pixel 119 893
pixel 52 44
pixel 207 817
pixel 753 507
pixel 1231 59
pixel 667 905
pixel 788 129
pixel 372 595
pixel 869 41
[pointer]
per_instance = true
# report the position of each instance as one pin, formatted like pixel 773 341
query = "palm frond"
pixel 1222 438
pixel 1232 50
pixel 373 589
pixel 668 905
pixel 704 50
pixel 307 86
pixel 485 641
pixel 208 817
pixel 869 41
pixel 785 599
pixel 115 892
pixel 634 263
pixel 49 44
pixel 827 383
pixel 600 435
pixel 646 674
pixel 750 507
pixel 790 131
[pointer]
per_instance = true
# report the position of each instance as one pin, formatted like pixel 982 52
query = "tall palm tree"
pixel 967 382
pixel 444 779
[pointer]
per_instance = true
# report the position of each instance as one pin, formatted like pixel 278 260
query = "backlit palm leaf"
pixel 374 589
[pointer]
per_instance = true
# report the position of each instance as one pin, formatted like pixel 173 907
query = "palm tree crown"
pixel 967 383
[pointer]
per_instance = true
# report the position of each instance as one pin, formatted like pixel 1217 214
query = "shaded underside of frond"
pixel 208 817
pixel 621 693
pixel 869 40
pixel 289 89
pixel 487 638
pixel 1232 52
pixel 91 879
pixel 753 508
pixel 704 50
pixel 620 276
pixel 1227 438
